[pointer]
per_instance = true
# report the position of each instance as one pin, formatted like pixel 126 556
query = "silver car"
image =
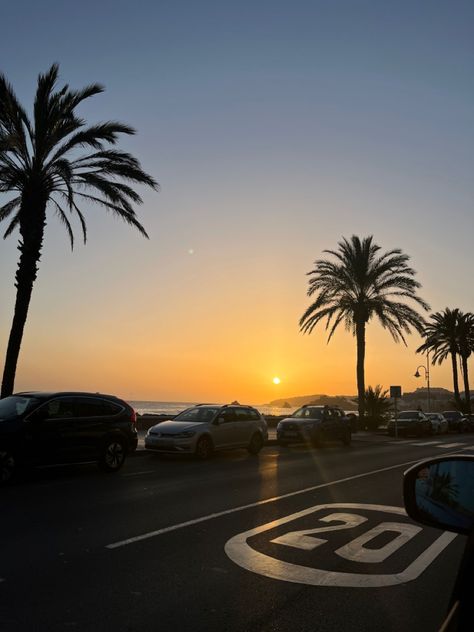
pixel 202 429
pixel 439 423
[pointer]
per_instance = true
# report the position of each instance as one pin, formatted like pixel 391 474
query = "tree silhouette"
pixel 357 285
pixel 42 164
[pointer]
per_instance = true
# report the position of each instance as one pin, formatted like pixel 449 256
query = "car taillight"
pixel 133 417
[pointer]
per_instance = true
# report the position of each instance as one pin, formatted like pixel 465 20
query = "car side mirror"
pixel 440 493
pixel 219 421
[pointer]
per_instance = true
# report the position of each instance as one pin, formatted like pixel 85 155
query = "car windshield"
pixel 11 407
pixel 199 414
pixel 308 413
pixel 408 415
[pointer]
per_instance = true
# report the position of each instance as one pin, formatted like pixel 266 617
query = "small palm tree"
pixel 359 284
pixel 377 405
pixel 41 163
pixel 441 340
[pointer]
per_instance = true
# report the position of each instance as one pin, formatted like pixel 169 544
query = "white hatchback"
pixel 202 429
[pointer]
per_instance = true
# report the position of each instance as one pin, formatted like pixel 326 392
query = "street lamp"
pixel 427 377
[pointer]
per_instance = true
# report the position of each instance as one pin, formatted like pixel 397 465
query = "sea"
pixel 173 408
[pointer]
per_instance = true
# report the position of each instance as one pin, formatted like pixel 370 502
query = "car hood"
pixel 174 427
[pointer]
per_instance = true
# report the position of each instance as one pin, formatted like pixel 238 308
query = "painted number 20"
pixel 356 550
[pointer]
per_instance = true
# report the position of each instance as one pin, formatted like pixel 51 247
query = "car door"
pixel 224 429
pixel 327 423
pixel 244 426
pixel 50 430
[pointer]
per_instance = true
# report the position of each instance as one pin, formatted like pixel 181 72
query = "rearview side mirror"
pixel 440 493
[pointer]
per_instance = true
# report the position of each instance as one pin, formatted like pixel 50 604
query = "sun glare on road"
pixel 276 380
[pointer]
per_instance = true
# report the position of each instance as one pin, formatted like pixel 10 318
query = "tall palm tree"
pixel 465 339
pixel 52 162
pixel 441 340
pixel 359 284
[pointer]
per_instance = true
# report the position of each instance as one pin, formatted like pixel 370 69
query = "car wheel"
pixel 346 440
pixel 7 467
pixel 256 444
pixel 112 455
pixel 204 448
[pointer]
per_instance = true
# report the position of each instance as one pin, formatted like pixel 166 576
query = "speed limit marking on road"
pixel 334 518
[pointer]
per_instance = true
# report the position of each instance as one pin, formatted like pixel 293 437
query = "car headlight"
pixel 185 434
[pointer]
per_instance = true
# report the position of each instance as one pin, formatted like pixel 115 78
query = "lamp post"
pixel 427 377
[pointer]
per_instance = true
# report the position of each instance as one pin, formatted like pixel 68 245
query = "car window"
pixel 15 405
pixel 228 415
pixel 253 414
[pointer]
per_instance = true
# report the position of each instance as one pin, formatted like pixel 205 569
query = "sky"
pixel 274 129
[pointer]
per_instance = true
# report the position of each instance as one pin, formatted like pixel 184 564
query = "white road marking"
pixel 427 443
pixel 240 552
pixel 450 445
pixel 468 447
pixel 226 512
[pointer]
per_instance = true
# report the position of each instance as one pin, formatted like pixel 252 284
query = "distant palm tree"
pixel 465 338
pixel 42 164
pixel 441 340
pixel 362 283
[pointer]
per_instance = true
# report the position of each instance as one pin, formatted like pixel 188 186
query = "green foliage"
pixel 377 407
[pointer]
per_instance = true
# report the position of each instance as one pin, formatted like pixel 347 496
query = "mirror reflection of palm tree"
pixel 358 285
pixel 42 165
pixel 443 487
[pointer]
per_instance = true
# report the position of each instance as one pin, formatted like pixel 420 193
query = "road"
pixel 294 539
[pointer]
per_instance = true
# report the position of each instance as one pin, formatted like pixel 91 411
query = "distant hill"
pixel 347 402
pixel 441 399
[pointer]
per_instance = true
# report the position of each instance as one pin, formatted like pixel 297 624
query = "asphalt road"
pixel 294 539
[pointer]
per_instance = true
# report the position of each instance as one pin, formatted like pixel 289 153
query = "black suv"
pixel 314 424
pixel 53 428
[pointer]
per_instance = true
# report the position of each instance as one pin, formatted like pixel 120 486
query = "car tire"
pixel 204 448
pixel 256 444
pixel 8 467
pixel 346 440
pixel 112 454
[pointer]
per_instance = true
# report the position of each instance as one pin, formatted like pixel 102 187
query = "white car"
pixel 439 423
pixel 204 428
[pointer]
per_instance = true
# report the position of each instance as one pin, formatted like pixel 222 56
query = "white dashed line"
pixel 226 512
pixel 450 445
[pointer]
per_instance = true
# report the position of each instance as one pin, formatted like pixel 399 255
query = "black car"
pixel 314 424
pixel 456 420
pixel 52 428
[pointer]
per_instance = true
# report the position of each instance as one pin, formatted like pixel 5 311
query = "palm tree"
pixel 377 405
pixel 465 339
pixel 42 165
pixel 441 340
pixel 362 283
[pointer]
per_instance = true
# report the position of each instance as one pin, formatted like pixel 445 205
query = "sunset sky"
pixel 274 129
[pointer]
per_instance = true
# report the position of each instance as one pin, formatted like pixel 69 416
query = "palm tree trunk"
pixel 360 335
pixel 457 397
pixel 31 230
pixel 467 394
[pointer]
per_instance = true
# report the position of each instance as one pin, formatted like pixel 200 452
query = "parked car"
pixel 431 501
pixel 202 429
pixel 456 420
pixel 439 423
pixel 410 422
pixel 314 424
pixel 52 428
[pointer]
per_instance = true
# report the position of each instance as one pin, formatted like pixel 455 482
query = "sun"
pixel 276 380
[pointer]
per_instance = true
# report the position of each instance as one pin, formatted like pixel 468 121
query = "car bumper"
pixel 170 445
